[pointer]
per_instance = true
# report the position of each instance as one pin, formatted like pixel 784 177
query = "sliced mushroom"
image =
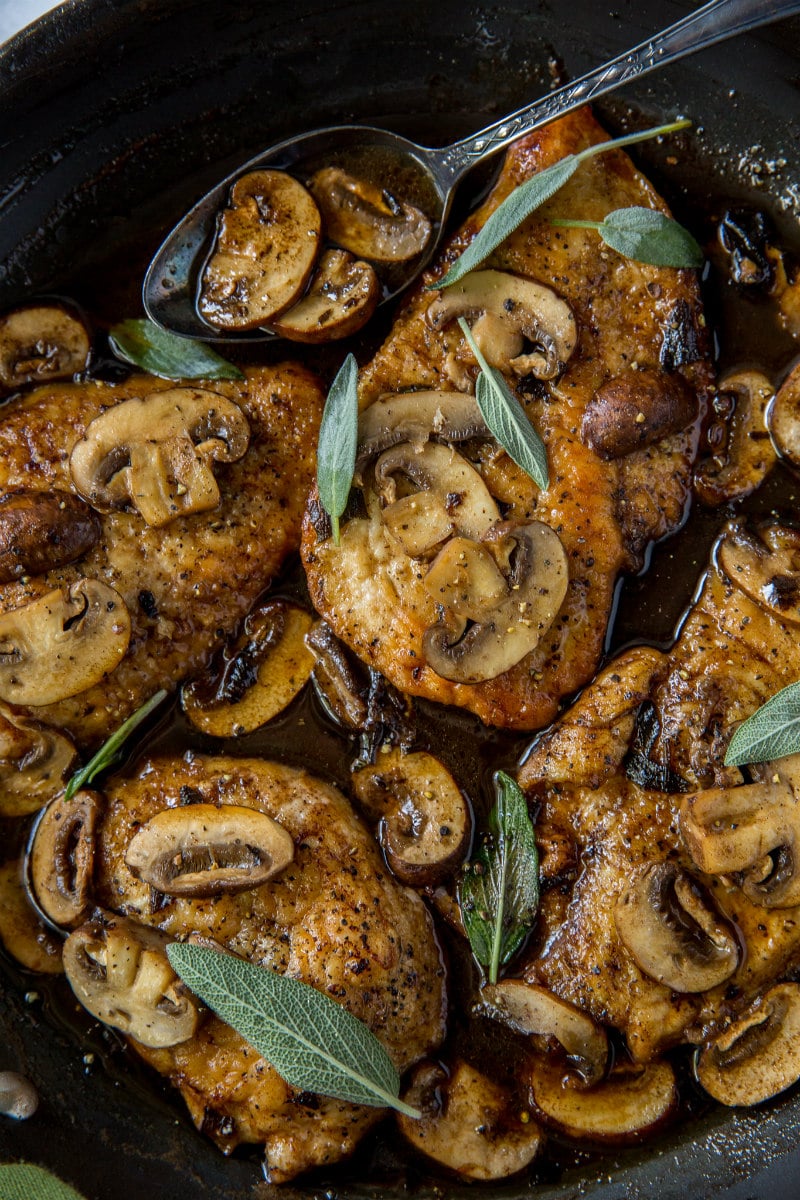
pixel 742 453
pixel 534 1010
pixel 338 679
pixel 630 1104
pixel 507 310
pixel 758 1055
pixel 41 342
pixel 155 453
pixel 537 585
pixel 784 418
pixel 40 531
pixel 342 297
pixel 469 1123
pixel 120 972
pixel 34 762
pixel 255 678
pixel 424 819
pixel 23 934
pixel 268 239
pixel 751 833
pixel 465 580
pixel 451 497
pixel 62 643
pixel 636 409
pixel 200 850
pixel 18 1097
pixel 416 417
pixel 767 572
pixel 62 857
pixel 673 931
pixel 371 223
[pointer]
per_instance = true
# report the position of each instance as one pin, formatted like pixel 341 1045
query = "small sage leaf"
pixel 506 418
pixel 147 345
pixel 315 1044
pixel 644 235
pixel 773 731
pixel 24 1181
pixel 338 439
pixel 526 198
pixel 109 752
pixel 498 893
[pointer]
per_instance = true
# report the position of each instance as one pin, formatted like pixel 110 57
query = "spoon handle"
pixel 712 23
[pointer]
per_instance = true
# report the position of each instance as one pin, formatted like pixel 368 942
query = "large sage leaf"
pixel 23 1181
pixel 773 731
pixel 338 440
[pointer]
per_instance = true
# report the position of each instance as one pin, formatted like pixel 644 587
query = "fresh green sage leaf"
pixel 644 235
pixel 506 418
pixel 526 198
pixel 23 1181
pixel 338 439
pixel 147 345
pixel 315 1044
pixel 110 751
pixel 498 892
pixel 773 731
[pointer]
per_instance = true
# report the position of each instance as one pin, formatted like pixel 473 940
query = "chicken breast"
pixel 334 918
pixel 184 584
pixel 622 779
pixel 618 414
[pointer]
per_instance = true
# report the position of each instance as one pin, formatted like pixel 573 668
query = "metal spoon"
pixel 171 283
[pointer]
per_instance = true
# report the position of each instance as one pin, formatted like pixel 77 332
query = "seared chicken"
pixel 613 372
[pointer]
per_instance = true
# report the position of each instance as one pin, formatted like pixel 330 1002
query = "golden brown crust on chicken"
pixel 190 582
pixel 335 918
pixel 611 796
pixel 629 317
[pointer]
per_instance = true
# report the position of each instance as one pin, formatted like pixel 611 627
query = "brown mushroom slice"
pixel 62 643
pixel 528 310
pixel 424 819
pixel 758 1055
pixel 469 1123
pixel 465 579
pixel 41 531
pixel 120 972
pixel 416 417
pixel 267 243
pixel 768 574
pixel 671 928
pixel 742 453
pixel 537 585
pixel 34 762
pixel 23 934
pixel 154 453
pixel 342 297
pixel 751 833
pixel 630 1104
pixel 366 220
pixel 255 678
pixel 450 496
pixel 62 857
pixel 39 343
pixel 533 1010
pixel 201 850
pixel 784 418
pixel 336 679
pixel 636 409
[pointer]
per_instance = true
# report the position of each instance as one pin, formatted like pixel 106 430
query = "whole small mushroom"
pixel 18 1097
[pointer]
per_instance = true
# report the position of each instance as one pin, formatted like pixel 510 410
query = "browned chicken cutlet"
pixel 185 583
pixel 622 780
pixel 334 918
pixel 618 413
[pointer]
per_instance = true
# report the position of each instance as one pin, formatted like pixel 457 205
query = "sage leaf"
pixel 23 1181
pixel 155 350
pixel 338 439
pixel 526 198
pixel 314 1043
pixel 498 892
pixel 506 418
pixel 644 235
pixel 111 750
pixel 773 731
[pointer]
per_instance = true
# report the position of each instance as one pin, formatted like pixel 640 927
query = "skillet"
pixel 114 116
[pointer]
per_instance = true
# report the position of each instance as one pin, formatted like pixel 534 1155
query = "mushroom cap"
pixel 40 531
pixel 758 1055
pixel 416 417
pixel 18 1097
pixel 62 643
pixel 41 342
pixel 636 409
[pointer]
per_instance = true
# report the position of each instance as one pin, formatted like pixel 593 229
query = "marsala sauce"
pixel 647 609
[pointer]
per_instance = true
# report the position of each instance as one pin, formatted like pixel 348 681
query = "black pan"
pixel 114 115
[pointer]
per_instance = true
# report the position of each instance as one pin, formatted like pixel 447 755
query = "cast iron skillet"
pixel 115 114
